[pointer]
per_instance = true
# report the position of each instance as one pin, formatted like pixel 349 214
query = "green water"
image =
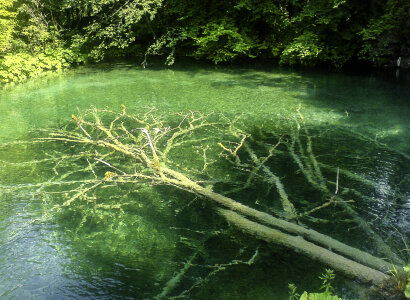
pixel 357 123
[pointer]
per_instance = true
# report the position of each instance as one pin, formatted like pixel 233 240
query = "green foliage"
pixel 223 31
pixel 304 50
pixel 20 66
pixel 306 33
pixel 103 28
pixel 400 280
pixel 168 42
pixel 407 291
pixel 35 44
pixel 7 23
pixel 293 295
pixel 387 35
pixel 35 30
pixel 221 42
pixel 325 32
pixel 296 32
pixel 326 278
pixel 318 296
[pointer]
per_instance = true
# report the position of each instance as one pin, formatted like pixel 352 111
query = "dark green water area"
pixel 142 240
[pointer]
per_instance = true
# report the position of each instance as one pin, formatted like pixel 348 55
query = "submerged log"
pixel 300 245
pixel 309 234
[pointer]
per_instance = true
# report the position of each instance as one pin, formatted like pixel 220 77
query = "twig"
pixel 337 181
pixel 110 165
pixel 170 285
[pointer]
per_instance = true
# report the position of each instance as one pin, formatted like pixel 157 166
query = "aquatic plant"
pixel 318 296
pixel 407 290
pixel 326 278
pixel 293 295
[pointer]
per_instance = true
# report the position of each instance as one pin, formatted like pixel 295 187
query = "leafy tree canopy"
pixel 331 32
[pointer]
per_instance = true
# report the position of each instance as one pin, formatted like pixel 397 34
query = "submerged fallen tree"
pixel 149 143
pixel 104 148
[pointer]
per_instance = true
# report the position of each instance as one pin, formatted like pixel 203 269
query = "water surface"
pixel 357 123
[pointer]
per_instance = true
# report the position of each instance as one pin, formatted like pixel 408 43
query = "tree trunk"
pixel 309 234
pixel 299 244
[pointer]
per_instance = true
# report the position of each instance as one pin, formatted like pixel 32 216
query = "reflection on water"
pixel 357 124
